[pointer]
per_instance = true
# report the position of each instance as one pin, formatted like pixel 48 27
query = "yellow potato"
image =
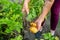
pixel 33 29
pixel 33 24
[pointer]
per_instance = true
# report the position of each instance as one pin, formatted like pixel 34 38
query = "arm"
pixel 47 6
pixel 27 1
pixel 25 6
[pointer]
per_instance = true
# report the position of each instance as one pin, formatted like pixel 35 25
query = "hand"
pixel 25 8
pixel 39 23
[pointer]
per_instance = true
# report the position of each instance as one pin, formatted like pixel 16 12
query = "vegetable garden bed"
pixel 13 24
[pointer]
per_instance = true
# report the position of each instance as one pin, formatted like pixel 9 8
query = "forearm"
pixel 26 1
pixel 47 6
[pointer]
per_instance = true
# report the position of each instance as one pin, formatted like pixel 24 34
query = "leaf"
pixel 56 38
pixel 8 31
pixel 19 37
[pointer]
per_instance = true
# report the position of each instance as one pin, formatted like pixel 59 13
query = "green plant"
pixel 10 19
pixel 48 36
pixel 17 38
pixel 35 7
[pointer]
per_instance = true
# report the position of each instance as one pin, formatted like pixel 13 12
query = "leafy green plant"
pixel 48 36
pixel 10 19
pixel 12 25
pixel 17 38
pixel 35 7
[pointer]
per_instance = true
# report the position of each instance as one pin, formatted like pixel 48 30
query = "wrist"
pixel 41 17
pixel 25 4
pixel 27 1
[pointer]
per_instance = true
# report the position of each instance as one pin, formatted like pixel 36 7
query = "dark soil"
pixel 46 28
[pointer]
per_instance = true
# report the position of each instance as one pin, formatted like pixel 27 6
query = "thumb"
pixel 27 9
pixel 23 10
pixel 39 26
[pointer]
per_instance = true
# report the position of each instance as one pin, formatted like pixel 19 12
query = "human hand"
pixel 25 8
pixel 39 22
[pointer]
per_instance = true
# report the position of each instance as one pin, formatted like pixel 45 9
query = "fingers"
pixel 39 26
pixel 25 9
pixel 38 22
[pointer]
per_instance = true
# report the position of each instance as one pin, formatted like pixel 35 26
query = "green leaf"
pixel 8 31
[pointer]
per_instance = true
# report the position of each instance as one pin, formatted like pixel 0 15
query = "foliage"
pixel 10 17
pixel 35 7
pixel 11 21
pixel 48 36
pixel 17 38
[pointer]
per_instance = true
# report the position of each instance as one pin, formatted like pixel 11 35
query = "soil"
pixel 46 28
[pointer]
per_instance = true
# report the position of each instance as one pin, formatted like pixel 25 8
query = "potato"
pixel 33 29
